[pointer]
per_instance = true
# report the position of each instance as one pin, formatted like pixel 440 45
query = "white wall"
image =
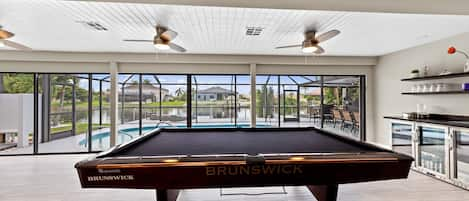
pixel 16 115
pixel 10 105
pixel 393 67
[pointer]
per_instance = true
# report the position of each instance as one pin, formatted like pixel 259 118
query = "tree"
pixel 265 101
pixel 260 103
pixel 329 96
pixel 61 80
pixel 2 88
pixel 270 101
pixel 180 94
pixel 18 83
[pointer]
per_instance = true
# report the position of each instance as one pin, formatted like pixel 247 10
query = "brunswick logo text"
pixel 111 178
pixel 253 170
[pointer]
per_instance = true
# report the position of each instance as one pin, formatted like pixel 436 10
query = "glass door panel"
pixel 402 137
pixel 66 96
pixel 462 156
pixel 290 107
pixel 432 151
pixel 213 101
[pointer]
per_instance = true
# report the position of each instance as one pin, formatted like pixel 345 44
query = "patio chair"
pixel 348 120
pixel 356 118
pixel 314 113
pixel 337 117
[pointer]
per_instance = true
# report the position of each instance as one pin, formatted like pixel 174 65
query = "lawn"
pixel 80 128
pixel 165 103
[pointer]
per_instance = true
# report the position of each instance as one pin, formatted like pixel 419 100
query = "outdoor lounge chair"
pixel 348 120
pixel 356 121
pixel 337 117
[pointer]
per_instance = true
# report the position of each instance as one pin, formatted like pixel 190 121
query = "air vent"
pixel 93 25
pixel 254 31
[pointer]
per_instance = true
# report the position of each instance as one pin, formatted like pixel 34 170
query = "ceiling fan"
pixel 162 40
pixel 4 35
pixel 311 42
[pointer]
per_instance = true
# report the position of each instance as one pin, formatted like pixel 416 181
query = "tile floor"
pixel 53 178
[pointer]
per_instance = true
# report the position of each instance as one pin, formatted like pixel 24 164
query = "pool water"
pixel 101 140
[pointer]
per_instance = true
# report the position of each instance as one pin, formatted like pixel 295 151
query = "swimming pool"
pixel 101 140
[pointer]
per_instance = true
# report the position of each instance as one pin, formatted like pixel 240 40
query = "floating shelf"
pixel 430 93
pixel 434 77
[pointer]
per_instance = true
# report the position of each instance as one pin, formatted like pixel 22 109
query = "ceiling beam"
pixel 456 7
pixel 52 56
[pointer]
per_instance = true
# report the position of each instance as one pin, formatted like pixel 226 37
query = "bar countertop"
pixel 464 123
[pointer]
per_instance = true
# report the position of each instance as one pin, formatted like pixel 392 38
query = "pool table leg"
pixel 324 192
pixel 167 194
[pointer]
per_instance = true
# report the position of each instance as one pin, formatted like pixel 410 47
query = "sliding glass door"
pixel 291 109
pixel 333 103
pixel 64 113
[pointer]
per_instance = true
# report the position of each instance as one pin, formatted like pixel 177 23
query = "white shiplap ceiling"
pixel 53 26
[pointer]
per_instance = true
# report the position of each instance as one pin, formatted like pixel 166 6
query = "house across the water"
pixel 150 93
pixel 214 94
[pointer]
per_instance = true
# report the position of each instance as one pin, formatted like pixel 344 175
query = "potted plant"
pixel 414 73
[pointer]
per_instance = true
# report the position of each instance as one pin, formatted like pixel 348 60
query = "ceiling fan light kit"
pixel 311 42
pixel 309 47
pixel 162 47
pixel 160 44
pixel 162 40
pixel 4 35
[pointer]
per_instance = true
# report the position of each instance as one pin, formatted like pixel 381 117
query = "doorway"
pixel 291 103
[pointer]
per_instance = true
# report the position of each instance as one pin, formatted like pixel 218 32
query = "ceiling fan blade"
pixel 328 35
pixel 289 46
pixel 176 47
pixel 132 40
pixel 4 34
pixel 169 34
pixel 16 45
pixel 320 50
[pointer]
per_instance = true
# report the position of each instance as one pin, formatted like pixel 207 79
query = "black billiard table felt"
pixel 240 142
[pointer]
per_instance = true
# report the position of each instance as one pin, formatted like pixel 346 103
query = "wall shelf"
pixel 434 77
pixel 434 93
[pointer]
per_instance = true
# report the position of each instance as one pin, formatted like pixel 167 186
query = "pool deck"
pixel 72 143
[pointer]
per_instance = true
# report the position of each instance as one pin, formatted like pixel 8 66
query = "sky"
pixel 215 80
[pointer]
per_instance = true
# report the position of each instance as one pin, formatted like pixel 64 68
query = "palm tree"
pixel 2 88
pixel 179 92
pixel 62 80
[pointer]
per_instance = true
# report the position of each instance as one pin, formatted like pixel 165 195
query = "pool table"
pixel 171 159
